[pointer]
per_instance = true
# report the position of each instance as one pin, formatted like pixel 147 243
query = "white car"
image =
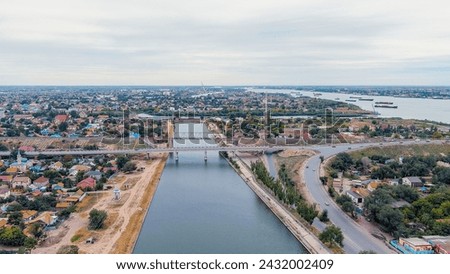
pixel 327 203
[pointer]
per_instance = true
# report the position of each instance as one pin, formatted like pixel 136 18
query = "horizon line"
pixel 256 85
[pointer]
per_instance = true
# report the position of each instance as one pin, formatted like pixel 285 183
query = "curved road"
pixel 356 238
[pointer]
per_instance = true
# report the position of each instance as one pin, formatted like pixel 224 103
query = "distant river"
pixel 408 108
pixel 207 208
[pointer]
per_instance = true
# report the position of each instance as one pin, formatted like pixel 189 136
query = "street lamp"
pixel 332 112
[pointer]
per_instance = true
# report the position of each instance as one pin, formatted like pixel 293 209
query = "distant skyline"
pixel 266 42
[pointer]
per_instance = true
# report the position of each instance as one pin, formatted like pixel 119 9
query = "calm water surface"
pixel 206 208
pixel 408 108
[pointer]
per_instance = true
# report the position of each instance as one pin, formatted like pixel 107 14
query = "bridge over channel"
pixel 175 150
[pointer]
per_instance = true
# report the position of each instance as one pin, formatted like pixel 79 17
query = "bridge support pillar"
pixel 176 156
pixel 206 155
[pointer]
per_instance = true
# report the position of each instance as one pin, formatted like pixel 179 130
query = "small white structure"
pixel 116 192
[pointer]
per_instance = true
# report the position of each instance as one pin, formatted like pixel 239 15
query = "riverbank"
pixel 300 232
pixel 127 240
pixel 125 216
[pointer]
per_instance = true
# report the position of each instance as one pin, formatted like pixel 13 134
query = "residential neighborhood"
pixel 404 193
pixel 38 195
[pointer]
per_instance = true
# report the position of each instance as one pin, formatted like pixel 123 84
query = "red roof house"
pixel 61 118
pixel 88 182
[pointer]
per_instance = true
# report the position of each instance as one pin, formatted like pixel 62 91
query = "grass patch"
pixel 75 238
pixel 111 219
pixel 82 233
pixel 292 163
pixel 398 150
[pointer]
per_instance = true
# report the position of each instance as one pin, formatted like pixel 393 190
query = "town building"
pixel 416 245
pixel 87 183
pixel 356 198
pixel 41 182
pixel 412 181
pixel 441 244
pixel 22 182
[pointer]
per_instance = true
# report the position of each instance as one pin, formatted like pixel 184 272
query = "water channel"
pixel 207 208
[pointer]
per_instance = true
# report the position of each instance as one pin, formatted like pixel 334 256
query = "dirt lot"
pixel 125 216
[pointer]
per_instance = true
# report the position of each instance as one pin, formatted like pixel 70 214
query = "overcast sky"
pixel 232 42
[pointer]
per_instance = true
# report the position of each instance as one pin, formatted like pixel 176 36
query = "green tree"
pixel 65 213
pixel 11 236
pixel 74 114
pixel 51 174
pixel 383 173
pixel 441 175
pixel 121 161
pixel 36 230
pixel 323 217
pixel 80 176
pixel 346 203
pixel 42 203
pixel 29 244
pixel 342 162
pixel 63 126
pixel 15 218
pixel 100 183
pixel 129 166
pixel 406 193
pixel 379 197
pixel 390 218
pixel 332 235
pixel 348 207
pixel 3 147
pixel 97 219
pixel 306 211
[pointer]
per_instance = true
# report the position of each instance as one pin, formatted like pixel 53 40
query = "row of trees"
pixel 231 160
pixel 285 191
pixel 41 203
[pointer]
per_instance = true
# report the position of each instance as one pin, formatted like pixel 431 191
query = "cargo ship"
pixel 384 103
pixel 366 99
pixel 386 106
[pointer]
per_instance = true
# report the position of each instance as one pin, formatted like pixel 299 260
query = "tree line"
pixel 285 191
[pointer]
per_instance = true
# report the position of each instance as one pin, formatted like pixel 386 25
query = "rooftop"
pixel 416 241
pixel 414 179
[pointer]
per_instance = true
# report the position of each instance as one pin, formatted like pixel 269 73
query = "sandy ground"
pixel 125 216
pixel 299 178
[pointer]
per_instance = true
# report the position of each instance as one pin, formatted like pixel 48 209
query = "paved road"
pixel 356 238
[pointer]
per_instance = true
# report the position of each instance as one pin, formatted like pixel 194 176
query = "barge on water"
pixel 384 103
pixel 386 106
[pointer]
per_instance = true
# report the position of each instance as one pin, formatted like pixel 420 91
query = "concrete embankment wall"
pixel 300 232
